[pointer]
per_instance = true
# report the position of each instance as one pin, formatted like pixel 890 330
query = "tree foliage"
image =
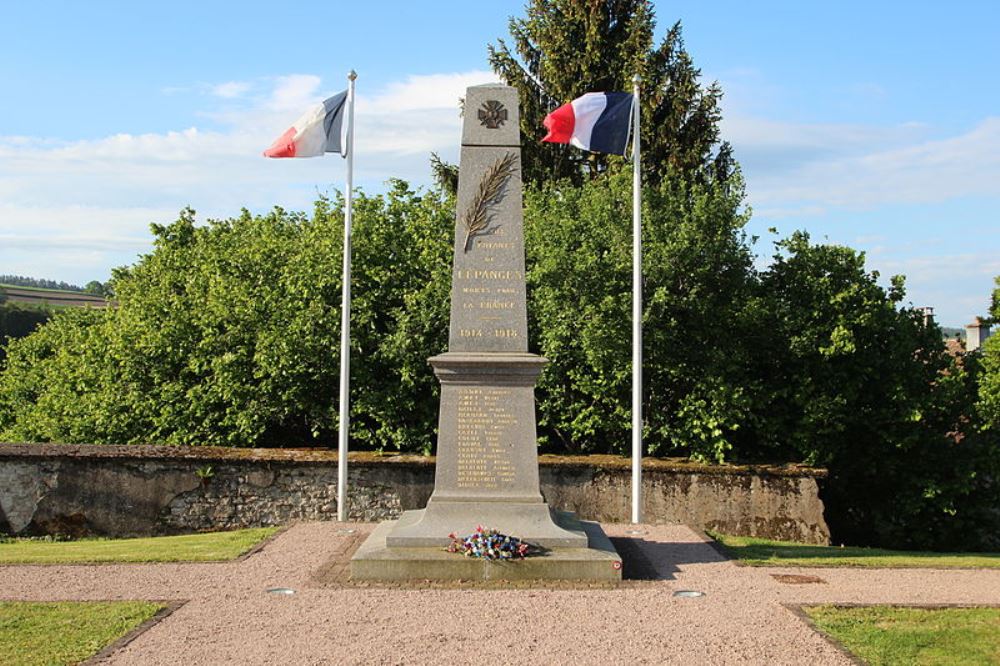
pixel 847 379
pixel 19 319
pixel 696 274
pixel 228 334
pixel 97 288
pixel 989 391
pixel 565 48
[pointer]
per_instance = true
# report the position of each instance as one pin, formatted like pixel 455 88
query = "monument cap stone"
pixel 491 117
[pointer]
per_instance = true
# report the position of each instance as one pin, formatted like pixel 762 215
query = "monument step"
pixel 535 523
pixel 375 561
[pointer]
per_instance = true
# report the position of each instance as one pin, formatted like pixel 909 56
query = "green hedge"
pixel 228 334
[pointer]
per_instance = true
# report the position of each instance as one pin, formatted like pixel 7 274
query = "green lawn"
pixel 765 553
pixel 211 547
pixel 884 635
pixel 65 632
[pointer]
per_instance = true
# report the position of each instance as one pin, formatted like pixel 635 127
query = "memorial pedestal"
pixel 487 466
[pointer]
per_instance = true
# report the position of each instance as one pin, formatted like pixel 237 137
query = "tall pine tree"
pixel 565 48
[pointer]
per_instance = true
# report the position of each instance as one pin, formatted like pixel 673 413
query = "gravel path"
pixel 229 619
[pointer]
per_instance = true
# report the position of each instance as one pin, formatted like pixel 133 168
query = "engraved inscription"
pixel 490 310
pixel 483 429
pixel 493 114
pixel 467 274
pixel 489 295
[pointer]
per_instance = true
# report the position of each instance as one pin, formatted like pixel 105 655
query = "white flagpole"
pixel 345 315
pixel 636 310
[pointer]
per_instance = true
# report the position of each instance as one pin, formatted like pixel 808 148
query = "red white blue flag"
pixel 598 121
pixel 318 131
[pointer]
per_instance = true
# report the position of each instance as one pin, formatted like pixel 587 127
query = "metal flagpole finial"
pixel 352 75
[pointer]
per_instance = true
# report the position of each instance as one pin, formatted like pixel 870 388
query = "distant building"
pixel 976 334
pixel 954 347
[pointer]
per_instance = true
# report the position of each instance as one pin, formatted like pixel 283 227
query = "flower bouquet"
pixel 489 544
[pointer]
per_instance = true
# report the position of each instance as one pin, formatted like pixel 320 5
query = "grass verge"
pixel 765 553
pixel 211 547
pixel 884 635
pixel 65 632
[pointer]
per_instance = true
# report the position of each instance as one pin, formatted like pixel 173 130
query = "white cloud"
pixel 81 203
pixel 294 92
pixel 427 92
pixel 68 203
pixel 795 169
pixel 944 268
pixel 76 226
pixel 957 285
pixel 231 89
pixel 788 212
pixel 816 175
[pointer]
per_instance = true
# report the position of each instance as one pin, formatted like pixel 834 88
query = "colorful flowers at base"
pixel 489 545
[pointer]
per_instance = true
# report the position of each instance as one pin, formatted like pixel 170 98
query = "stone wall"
pixel 79 490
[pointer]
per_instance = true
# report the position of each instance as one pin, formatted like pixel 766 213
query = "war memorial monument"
pixel 487 459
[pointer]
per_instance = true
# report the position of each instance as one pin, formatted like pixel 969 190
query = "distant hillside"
pixel 950 333
pixel 41 283
pixel 52 297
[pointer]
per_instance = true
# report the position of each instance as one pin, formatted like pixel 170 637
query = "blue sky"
pixel 875 125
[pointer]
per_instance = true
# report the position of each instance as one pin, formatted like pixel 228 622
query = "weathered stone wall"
pixel 140 490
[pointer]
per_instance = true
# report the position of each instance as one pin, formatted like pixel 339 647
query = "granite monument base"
pixel 597 562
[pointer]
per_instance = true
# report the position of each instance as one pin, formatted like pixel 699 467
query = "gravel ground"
pixel 743 618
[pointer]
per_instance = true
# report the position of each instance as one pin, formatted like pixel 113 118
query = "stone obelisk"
pixel 487 457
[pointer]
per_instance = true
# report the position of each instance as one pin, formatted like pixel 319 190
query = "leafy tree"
pixel 52 387
pixel 445 175
pixel 565 48
pixel 228 334
pixel 848 380
pixel 989 390
pixel 19 319
pixel 96 288
pixel 697 273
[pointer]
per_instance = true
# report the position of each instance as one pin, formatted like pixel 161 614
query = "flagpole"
pixel 636 309
pixel 345 315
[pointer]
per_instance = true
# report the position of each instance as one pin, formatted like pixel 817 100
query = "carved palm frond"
pixel 490 193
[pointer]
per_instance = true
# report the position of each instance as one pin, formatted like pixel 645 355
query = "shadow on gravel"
pixel 652 560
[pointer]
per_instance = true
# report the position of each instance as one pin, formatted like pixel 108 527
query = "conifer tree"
pixel 565 48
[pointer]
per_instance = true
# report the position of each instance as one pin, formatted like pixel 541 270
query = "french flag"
pixel 316 132
pixel 598 121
